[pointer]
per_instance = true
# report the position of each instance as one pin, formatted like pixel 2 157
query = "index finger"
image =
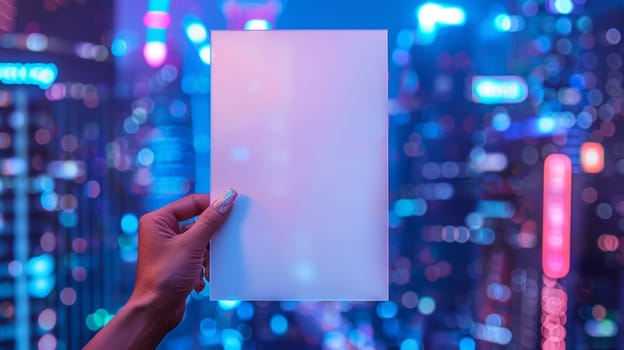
pixel 186 207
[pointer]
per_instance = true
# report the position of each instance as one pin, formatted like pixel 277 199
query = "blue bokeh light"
pixel 410 344
pixel 208 327
pixel 502 22
pixel 41 287
pixel 231 339
pixel 68 219
pixel 431 130
pixel 563 26
pixel 245 311
pixel 129 254
pixel 334 340
pixel 484 236
pixel 119 47
pixel 410 207
pixel 387 309
pixel 129 223
pixel 279 324
pixel 145 157
pixel 564 7
pixel 546 125
pixel 426 305
pixel 601 329
pixel 467 343
pixel 229 304
pixel 501 121
pixel 405 38
pixel 48 200
pixel 40 266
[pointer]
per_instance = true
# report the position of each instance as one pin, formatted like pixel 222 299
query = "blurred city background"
pixel 104 115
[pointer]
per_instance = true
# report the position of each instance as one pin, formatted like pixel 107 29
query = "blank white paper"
pixel 299 128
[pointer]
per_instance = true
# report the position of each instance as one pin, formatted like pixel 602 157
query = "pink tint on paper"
pixel 299 128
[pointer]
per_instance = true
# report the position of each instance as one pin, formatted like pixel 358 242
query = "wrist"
pixel 151 307
pixel 140 324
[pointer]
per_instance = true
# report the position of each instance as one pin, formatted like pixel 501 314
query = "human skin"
pixel 171 263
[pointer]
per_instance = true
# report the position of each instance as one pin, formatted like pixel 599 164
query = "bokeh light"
pixel 107 117
pixel 279 324
pixel 155 53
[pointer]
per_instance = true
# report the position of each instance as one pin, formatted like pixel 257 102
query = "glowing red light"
pixel 556 225
pixel 592 157
pixel 157 19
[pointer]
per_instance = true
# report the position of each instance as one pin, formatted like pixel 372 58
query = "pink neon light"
pixel 554 308
pixel 592 157
pixel 556 226
pixel 155 53
pixel 157 19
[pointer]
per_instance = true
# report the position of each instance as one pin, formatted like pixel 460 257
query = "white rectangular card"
pixel 299 129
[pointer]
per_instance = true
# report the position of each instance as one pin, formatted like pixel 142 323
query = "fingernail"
pixel 224 203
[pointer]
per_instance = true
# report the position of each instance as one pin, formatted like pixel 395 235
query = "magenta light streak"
pixel 157 19
pixel 556 225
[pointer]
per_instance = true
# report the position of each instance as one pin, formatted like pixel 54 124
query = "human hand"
pixel 173 261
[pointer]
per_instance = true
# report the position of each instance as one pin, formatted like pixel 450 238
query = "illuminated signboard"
pixel 40 74
pixel 556 225
pixel 496 89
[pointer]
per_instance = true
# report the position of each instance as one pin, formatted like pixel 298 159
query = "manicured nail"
pixel 224 203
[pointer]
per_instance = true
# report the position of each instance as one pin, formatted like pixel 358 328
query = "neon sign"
pixel 499 89
pixel 556 225
pixel 41 74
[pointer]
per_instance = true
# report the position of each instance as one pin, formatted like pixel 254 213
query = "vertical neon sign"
pixel 557 206
pixel 156 20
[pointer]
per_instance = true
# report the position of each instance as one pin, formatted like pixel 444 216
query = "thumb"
pixel 212 218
